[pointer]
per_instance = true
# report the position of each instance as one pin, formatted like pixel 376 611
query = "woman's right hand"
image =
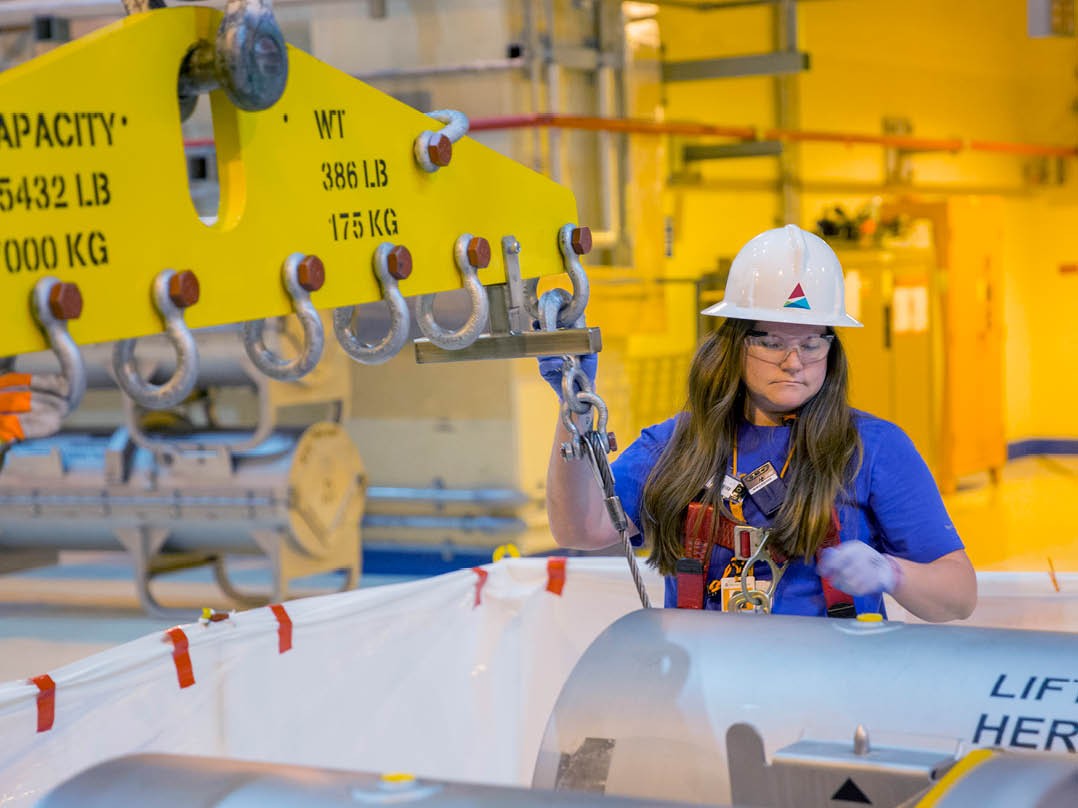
pixel 550 369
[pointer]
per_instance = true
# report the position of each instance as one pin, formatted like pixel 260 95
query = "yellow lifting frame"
pixel 94 188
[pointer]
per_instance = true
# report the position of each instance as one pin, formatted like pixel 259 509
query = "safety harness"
pixel 747 543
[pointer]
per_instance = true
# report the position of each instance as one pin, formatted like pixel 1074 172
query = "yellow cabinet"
pixel 930 357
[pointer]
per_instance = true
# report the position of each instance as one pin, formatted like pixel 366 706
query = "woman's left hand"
pixel 858 569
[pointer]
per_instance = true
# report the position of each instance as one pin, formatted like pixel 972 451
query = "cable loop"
pixel 470 255
pixel 302 274
pixel 434 150
pixel 391 262
pixel 67 352
pixel 179 386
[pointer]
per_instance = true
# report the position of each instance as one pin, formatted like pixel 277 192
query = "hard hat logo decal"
pixel 797 299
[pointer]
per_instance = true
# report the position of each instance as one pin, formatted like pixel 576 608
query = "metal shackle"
pixel 470 254
pixel 573 242
pixel 434 150
pixel 248 60
pixel 302 274
pixel 392 262
pixel 54 303
pixel 172 293
pixel 252 58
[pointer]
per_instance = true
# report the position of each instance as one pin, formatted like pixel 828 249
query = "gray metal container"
pixel 647 710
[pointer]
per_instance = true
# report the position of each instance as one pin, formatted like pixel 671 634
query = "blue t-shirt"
pixel 894 505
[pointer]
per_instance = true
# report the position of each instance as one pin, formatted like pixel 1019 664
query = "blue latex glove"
pixel 858 569
pixel 550 369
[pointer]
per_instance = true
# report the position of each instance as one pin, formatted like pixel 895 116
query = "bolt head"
pixel 65 301
pixel 440 150
pixel 479 252
pixel 399 262
pixel 183 289
pixel 311 273
pixel 612 441
pixel 581 240
pixel 567 451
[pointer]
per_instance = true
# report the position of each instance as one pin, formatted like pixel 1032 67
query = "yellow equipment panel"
pixel 94 188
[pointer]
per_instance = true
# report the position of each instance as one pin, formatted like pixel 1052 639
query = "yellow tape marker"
pixel 953 776
pixel 93 188
pixel 503 550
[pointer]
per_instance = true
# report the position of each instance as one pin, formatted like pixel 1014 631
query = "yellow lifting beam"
pixel 94 188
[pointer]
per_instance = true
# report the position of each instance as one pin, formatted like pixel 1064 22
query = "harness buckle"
pixel 755 599
pixel 747 541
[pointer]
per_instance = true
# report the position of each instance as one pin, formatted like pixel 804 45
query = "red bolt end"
pixel 65 301
pixel 581 240
pixel 612 441
pixel 399 262
pixel 183 289
pixel 479 252
pixel 440 150
pixel 311 273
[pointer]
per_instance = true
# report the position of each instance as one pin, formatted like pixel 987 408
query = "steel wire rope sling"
pixel 589 441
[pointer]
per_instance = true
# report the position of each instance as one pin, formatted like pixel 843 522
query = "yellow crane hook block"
pixel 94 188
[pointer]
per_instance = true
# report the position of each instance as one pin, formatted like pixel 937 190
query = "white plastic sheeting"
pixel 412 677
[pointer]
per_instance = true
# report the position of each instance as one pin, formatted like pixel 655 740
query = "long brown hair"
pixel 826 451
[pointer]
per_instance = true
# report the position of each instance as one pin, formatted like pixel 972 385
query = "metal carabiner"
pixel 54 303
pixel 471 253
pixel 172 293
pixel 302 274
pixel 434 150
pixel 573 242
pixel 392 262
pixel 758 599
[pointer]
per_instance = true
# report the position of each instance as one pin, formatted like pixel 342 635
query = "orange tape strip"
pixel 555 574
pixel 46 701
pixel 181 657
pixel 11 428
pixel 482 573
pixel 284 628
pixel 17 401
pixel 14 379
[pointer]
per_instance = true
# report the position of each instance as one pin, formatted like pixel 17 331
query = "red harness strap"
pixel 691 570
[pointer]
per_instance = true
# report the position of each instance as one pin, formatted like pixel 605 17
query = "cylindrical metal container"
pixel 658 691
pixel 175 781
pixel 79 491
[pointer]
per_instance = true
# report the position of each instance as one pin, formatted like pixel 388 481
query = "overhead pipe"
pixel 750 133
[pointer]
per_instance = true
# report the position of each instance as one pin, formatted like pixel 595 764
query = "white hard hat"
pixel 785 275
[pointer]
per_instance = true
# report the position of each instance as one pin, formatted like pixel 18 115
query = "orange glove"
pixel 31 406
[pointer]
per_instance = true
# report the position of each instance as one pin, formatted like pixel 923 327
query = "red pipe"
pixel 594 124
pixel 895 141
pixel 644 126
pixel 1029 149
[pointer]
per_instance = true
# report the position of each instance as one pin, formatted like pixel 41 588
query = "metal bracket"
pixel 511 334
pixel 811 772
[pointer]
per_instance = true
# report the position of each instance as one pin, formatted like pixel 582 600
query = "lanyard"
pixel 738 508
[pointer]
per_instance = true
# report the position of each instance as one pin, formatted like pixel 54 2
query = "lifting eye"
pixel 172 293
pixel 392 262
pixel 302 274
pixel 56 302
pixel 471 254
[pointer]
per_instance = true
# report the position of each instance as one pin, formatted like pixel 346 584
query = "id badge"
pixel 765 488
pixel 733 490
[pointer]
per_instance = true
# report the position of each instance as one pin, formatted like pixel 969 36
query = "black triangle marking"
pixel 849 792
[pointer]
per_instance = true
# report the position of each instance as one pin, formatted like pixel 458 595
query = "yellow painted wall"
pixel 957 69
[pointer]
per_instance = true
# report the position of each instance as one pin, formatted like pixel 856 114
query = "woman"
pixel 768 440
